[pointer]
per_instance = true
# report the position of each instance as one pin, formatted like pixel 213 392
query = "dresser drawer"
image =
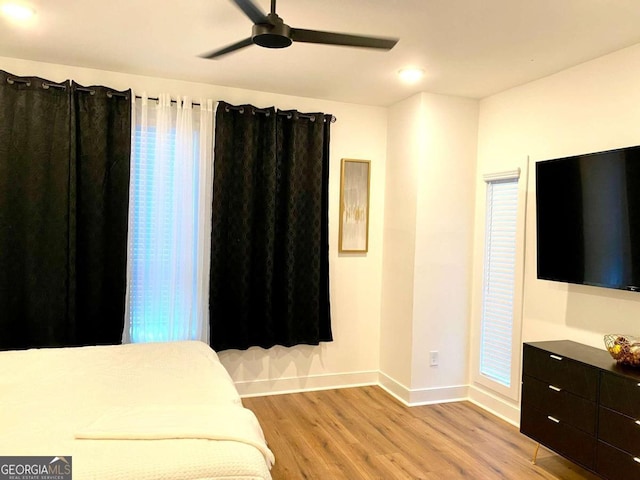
pixel 620 394
pixel 560 404
pixel 558 436
pixel 620 431
pixel 561 372
pixel 615 464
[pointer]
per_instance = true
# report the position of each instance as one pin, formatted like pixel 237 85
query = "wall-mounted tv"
pixel 588 219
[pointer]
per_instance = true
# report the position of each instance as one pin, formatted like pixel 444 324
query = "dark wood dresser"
pixel 579 403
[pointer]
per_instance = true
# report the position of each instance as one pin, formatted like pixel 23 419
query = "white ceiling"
pixel 470 48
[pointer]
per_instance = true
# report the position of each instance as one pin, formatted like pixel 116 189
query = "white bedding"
pixel 48 396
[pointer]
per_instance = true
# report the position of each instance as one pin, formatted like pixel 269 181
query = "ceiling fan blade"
pixel 330 38
pixel 252 11
pixel 231 48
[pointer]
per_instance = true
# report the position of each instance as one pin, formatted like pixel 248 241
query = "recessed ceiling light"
pixel 17 11
pixel 411 75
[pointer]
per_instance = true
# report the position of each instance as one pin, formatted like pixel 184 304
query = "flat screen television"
pixel 588 219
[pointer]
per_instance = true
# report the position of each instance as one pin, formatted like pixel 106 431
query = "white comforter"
pixel 50 396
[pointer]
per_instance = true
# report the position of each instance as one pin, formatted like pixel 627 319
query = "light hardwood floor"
pixel 364 433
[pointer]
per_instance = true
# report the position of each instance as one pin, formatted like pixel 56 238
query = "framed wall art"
pixel 354 206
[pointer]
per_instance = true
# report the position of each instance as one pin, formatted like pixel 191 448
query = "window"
pixel 499 281
pixel 169 222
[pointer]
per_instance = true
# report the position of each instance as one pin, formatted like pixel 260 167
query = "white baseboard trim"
pixel 484 399
pixel 494 404
pixel 394 388
pixel 422 396
pixel 279 386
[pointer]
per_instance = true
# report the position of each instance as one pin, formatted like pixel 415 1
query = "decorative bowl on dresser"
pixel 579 403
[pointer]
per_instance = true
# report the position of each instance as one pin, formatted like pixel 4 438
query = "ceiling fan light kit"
pixel 270 31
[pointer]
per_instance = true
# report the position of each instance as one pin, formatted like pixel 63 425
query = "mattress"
pixel 51 398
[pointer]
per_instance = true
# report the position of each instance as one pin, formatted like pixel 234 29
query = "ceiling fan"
pixel 270 31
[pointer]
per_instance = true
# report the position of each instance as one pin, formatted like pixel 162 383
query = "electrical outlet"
pixel 433 358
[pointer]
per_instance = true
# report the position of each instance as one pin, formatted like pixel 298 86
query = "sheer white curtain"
pixel 169 220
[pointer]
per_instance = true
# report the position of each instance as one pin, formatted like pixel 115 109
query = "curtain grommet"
pixel 12 81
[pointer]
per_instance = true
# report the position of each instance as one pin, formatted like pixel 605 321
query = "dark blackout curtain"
pixel 103 150
pixel 64 183
pixel 270 250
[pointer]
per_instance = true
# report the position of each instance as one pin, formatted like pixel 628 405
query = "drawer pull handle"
pixel 555 357
pixel 555 389
pixel 553 419
pixel 636 459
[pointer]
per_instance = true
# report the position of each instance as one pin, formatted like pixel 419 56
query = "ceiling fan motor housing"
pixel 274 35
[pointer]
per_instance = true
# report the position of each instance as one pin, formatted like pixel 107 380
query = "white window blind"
pixel 499 278
pixel 153 225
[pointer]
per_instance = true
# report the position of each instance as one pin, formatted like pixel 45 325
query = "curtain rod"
pixel 110 94
pixel 46 85
pixel 284 113
pixel 241 109
pixel 156 99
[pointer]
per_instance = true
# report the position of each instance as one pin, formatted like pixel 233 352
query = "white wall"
pixel 591 107
pixel 444 243
pixel 360 132
pixel 428 233
pixel 403 156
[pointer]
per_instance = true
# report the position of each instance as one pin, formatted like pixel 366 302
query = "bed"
pixel 142 411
